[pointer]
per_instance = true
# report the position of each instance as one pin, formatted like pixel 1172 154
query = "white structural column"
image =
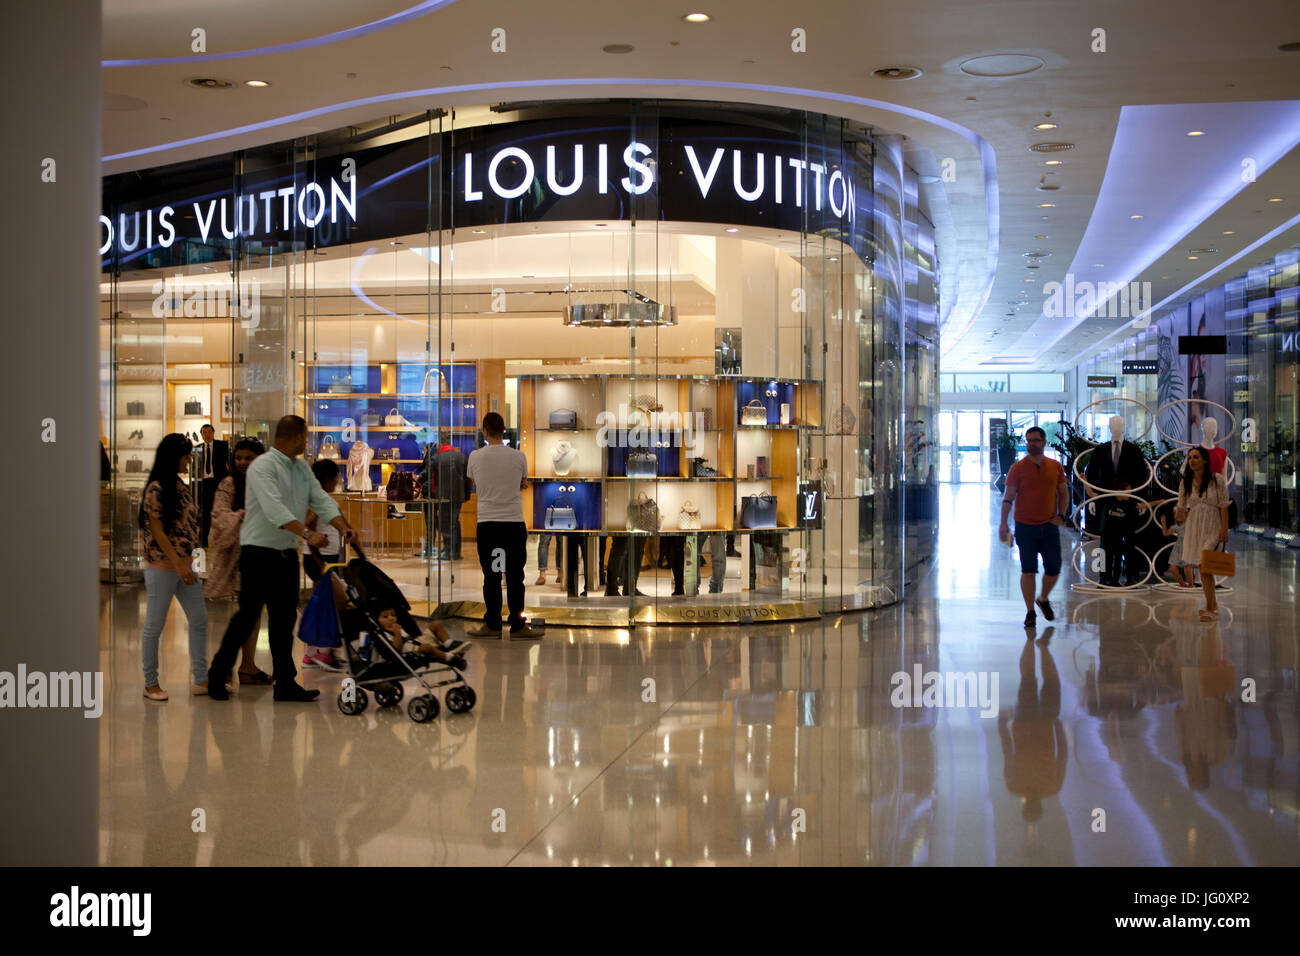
pixel 50 183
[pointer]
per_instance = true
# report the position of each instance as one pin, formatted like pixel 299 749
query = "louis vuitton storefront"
pixel 709 329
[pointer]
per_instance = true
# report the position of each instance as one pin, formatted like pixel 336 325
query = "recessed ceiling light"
pixel 1047 205
pixel 1053 162
pixel 1276 199
pixel 1045 126
pixel 1229 232
pixel 479 232
pixel 1040 237
pixel 896 73
pixel 1029 280
pixel 697 18
pixel 1135 217
pixel 1098 265
pixel 834 258
pixel 618 48
pixel 1193 258
pixel 256 83
pixel 732 229
pixel 1196 132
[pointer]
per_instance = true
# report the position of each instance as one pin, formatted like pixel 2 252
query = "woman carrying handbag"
pixel 223 549
pixel 1203 503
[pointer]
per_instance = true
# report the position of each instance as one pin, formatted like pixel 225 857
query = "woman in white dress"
pixel 1203 504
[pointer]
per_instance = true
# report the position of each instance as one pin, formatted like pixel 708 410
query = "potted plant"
pixel 1007 444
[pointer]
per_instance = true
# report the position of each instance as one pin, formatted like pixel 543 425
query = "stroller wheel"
pixel 388 693
pixel 460 699
pixel 422 709
pixel 355 704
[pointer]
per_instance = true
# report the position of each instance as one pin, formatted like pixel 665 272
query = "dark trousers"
pixel 617 574
pixel 449 527
pixel 267 578
pixel 209 496
pixel 1116 535
pixel 503 542
pixel 673 549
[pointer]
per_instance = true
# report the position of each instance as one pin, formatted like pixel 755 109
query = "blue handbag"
pixel 758 511
pixel 319 626
pixel 560 515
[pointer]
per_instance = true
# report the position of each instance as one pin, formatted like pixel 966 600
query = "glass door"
pixel 971 454
pixel 947 454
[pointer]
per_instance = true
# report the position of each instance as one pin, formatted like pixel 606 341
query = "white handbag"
pixel 396 419
pixel 755 413
pixel 439 385
pixel 563 457
pixel 688 519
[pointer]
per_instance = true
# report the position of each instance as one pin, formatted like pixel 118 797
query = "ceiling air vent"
pixel 208 83
pixel 897 73
pixel 1051 147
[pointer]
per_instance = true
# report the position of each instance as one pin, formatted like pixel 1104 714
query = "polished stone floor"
pixel 1119 737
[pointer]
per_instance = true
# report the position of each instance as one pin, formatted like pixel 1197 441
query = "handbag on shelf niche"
pixel 758 511
pixel 563 457
pixel 755 413
pixel 700 468
pixel 642 464
pixel 371 418
pixel 342 386
pixel 645 514
pixel 760 467
pixel 562 419
pixel 329 448
pixel 706 419
pixel 396 419
pixel 440 382
pixel 135 409
pixel 134 465
pixel 688 519
pixel 1217 563
pixel 647 404
pixel 844 422
pixel 560 515
pixel 401 486
pixel 193 406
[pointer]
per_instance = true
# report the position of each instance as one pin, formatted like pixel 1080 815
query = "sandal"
pixel 258 677
pixel 1207 615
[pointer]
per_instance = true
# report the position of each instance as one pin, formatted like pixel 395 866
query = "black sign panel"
pixel 1141 367
pixel 1202 345
pixel 1102 381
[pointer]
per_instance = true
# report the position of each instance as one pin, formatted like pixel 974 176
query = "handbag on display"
pixel 134 465
pixel 706 419
pixel 560 515
pixel 700 468
pixel 1217 563
pixel 193 406
pixel 135 409
pixel 440 382
pixel 563 457
pixel 371 418
pixel 755 413
pixel 758 511
pixel 401 486
pixel 647 404
pixel 329 448
pixel 645 514
pixel 688 519
pixel 395 419
pixel 563 418
pixel 341 385
pixel 642 464
pixel 844 422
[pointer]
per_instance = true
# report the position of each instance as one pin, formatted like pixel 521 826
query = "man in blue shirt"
pixel 280 489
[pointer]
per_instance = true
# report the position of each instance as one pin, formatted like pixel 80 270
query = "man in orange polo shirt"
pixel 1038 487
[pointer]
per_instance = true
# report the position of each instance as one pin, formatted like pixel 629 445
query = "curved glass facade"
pixel 711 329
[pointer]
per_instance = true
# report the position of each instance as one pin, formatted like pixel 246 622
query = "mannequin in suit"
pixel 1117 465
pixel 211 459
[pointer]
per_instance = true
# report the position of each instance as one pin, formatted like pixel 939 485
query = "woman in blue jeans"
pixel 169 519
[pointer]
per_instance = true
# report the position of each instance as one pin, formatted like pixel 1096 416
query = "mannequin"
pixel 1117 465
pixel 359 456
pixel 1218 456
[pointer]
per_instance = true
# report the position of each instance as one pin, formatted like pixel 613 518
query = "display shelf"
pixel 414 426
pixel 399 395
pixel 764 478
pixel 564 478
pixel 679 478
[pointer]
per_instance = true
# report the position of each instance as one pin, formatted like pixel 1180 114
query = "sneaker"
pixel 309 661
pixel 454 646
pixel 295 693
pixel 1045 606
pixel 526 633
pixel 482 630
pixel 328 662
pixel 1031 619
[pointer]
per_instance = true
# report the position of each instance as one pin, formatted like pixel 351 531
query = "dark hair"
pixel 325 470
pixel 1035 428
pixel 166 471
pixel 238 477
pixel 208 425
pixel 290 426
pixel 494 424
pixel 1206 477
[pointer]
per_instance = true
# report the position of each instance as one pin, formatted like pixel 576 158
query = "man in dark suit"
pixel 210 466
pixel 1117 465
pixel 443 476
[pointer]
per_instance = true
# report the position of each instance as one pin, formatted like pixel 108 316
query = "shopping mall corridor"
pixel 1119 737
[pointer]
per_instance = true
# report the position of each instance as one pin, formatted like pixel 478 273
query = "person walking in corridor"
pixel 500 474
pixel 280 487
pixel 1040 492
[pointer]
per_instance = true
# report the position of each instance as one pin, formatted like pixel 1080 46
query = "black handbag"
pixel 642 464
pixel 758 511
pixel 135 409
pixel 560 515
pixel 401 487
pixel 563 418
pixel 193 407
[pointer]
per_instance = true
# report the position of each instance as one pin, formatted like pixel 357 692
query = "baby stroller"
pixel 375 663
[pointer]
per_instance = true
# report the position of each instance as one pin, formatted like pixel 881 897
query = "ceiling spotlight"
pixel 834 258
pixel 256 83
pixel 697 18
pixel 1040 237
pixel 1196 132
pixel 1276 199
pixel 1229 232
pixel 1047 205
pixel 1135 217
pixel 1045 126
pixel 1053 162
pixel 1193 258
pixel 479 232
pixel 732 229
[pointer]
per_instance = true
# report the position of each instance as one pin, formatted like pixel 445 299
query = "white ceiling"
pixel 1189 53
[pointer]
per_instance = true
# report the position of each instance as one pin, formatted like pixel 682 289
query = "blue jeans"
pixel 161 587
pixel 544 550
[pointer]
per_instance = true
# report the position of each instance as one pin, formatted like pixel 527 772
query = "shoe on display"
pixel 1045 606
pixel 295 693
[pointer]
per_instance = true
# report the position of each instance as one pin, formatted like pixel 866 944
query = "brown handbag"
pixel 1221 564
pixel 401 486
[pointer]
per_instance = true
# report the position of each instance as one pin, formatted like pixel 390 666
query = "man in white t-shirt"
pixel 500 474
